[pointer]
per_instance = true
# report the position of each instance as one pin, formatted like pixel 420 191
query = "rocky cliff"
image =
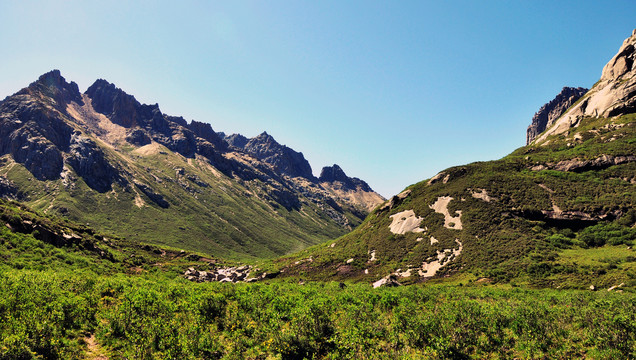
pixel 334 173
pixel 282 158
pixel 614 94
pixel 351 189
pixel 547 115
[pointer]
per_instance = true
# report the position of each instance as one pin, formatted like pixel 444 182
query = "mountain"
pixel 613 95
pixel 101 157
pixel 352 189
pixel 558 212
pixel 551 111
pixel 283 159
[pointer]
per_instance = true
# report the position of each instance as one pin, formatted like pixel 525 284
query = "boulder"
pixel 387 281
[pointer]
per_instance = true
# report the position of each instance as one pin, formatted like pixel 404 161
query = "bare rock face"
pixel 350 189
pixel 622 64
pixel 89 162
pixel 547 115
pixel 138 137
pixel 335 173
pixel 205 131
pixel 614 94
pixel 32 129
pixel 237 140
pixel 577 165
pixel 284 159
pixel 121 108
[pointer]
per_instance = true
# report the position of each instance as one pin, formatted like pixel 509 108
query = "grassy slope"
pixel 227 218
pixel 504 239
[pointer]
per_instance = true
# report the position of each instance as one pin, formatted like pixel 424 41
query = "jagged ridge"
pixel 106 140
pixel 547 115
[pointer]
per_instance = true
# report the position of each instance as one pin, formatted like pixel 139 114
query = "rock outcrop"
pixel 578 165
pixel 89 162
pixel 154 197
pixel 283 159
pixel 49 232
pixel 614 94
pixel 8 190
pixel 334 173
pixel 547 115
pixel 228 274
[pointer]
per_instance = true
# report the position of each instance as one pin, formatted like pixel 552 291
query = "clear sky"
pixel 392 91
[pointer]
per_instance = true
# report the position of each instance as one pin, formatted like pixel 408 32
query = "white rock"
pixel 441 206
pixel 406 221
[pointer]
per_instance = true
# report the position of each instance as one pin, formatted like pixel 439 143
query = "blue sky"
pixel 392 91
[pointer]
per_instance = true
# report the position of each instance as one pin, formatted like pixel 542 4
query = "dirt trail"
pixel 94 351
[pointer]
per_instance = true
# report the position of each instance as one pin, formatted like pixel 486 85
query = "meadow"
pixel 53 314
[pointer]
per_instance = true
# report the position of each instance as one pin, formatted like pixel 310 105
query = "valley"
pixel 127 233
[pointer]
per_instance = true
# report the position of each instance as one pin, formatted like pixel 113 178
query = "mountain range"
pixel 104 159
pixel 556 212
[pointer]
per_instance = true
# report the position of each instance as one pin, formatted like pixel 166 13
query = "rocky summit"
pixel 103 158
pixel 613 95
pixel 547 115
pixel 282 158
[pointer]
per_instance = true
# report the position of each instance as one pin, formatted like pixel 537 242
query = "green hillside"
pixel 203 210
pixel 558 215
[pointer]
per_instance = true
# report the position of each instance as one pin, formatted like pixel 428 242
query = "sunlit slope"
pixel 532 216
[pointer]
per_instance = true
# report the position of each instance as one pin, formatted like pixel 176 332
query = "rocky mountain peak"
pixel 121 108
pixel 335 173
pixel 551 111
pixel 205 131
pixel 614 94
pixel 284 159
pixel 622 64
pixel 265 138
pixel 236 140
pixel 53 85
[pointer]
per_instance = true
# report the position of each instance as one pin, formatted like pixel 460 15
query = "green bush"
pixel 607 233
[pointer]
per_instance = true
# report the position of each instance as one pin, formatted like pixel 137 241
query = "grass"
pixel 620 256
pixel 47 314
